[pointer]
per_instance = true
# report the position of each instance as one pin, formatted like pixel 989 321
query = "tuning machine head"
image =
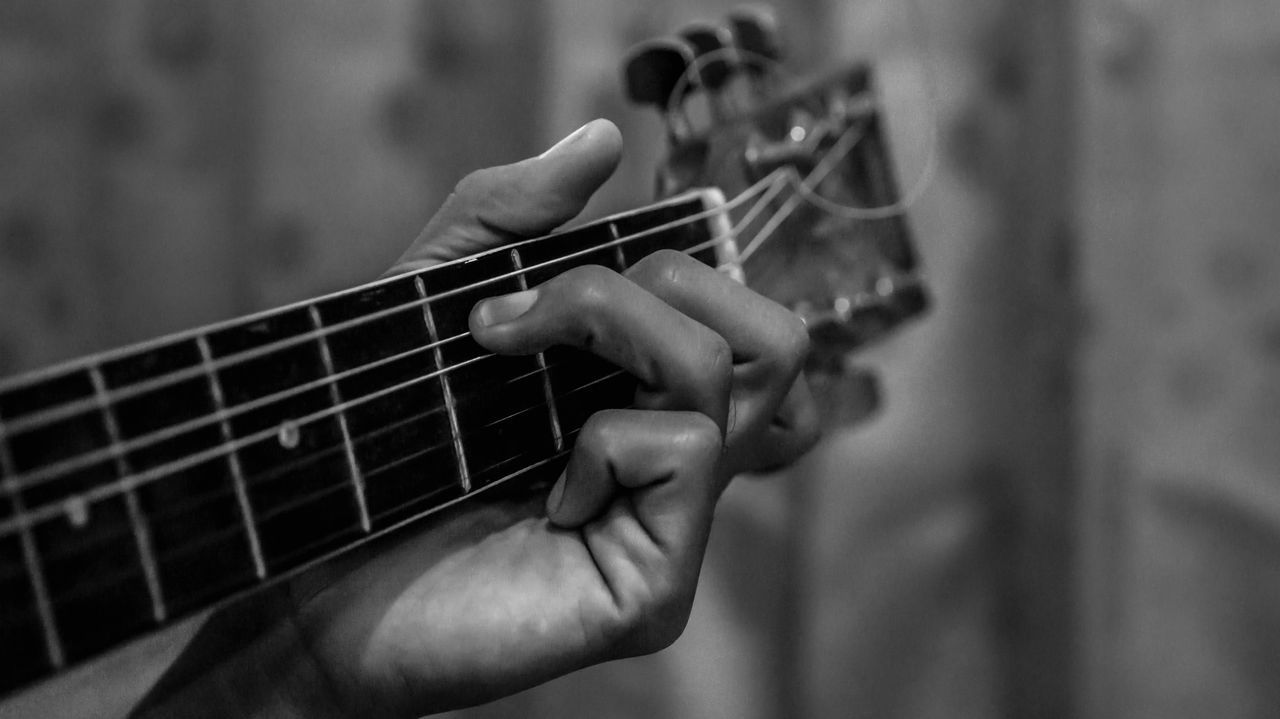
pixel 717 65
pixel 655 73
pixel 757 36
pixel 837 257
pixel 849 322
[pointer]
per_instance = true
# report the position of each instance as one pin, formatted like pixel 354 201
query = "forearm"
pixel 272 675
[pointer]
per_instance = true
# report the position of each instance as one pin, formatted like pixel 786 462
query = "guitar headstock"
pixel 820 221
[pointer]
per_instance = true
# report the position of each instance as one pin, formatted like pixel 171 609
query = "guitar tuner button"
pixel 755 31
pixel 654 74
pixel 713 50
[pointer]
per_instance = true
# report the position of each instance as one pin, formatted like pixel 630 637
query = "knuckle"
pixel 664 268
pixel 475 184
pixel 487 189
pixel 717 363
pixel 599 436
pixel 700 438
pixel 586 288
pixel 793 343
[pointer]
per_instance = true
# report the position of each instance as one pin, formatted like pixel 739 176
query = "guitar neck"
pixel 143 485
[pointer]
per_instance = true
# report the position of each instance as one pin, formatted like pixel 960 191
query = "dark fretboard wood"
pixel 146 484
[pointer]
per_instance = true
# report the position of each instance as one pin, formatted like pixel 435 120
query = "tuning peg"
pixel 716 45
pixel 756 34
pixel 652 74
pixel 851 323
pixel 716 63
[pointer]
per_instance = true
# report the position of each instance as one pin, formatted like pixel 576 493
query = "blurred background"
pixel 1070 504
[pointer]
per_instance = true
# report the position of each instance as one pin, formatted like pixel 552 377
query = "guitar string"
pixel 182 549
pixel 44 417
pixel 932 108
pixel 884 212
pixel 771 184
pixel 261 479
pixel 842 147
pixel 923 180
pixel 237 527
pixel 123 575
pixel 56 508
pixel 58 469
pixel 804 189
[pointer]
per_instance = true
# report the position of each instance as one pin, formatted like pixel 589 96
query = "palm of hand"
pixel 491 600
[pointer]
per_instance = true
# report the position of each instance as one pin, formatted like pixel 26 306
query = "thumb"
pixel 532 197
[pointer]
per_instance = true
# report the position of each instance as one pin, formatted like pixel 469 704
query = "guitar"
pixel 144 485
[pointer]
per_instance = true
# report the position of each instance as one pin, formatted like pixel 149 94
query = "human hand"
pixel 496 598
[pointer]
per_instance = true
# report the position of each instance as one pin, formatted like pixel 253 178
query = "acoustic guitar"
pixel 143 486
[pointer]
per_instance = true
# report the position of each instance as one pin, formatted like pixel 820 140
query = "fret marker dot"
pixel 289 435
pixel 77 510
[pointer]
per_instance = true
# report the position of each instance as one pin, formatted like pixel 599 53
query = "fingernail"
pixel 567 141
pixel 506 308
pixel 556 496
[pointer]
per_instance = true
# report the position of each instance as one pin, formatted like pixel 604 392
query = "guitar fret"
pixel 31 558
pixel 141 536
pixel 233 459
pixel 451 407
pixel 552 412
pixel 357 478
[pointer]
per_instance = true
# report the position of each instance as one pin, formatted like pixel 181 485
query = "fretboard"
pixel 145 484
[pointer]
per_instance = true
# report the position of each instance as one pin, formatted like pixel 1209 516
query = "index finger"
pixel 681 364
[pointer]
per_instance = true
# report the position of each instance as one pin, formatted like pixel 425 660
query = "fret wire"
pixel 464 471
pixel 233 459
pixel 141 534
pixel 30 556
pixel 552 412
pixel 72 408
pixel 557 455
pixel 353 466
